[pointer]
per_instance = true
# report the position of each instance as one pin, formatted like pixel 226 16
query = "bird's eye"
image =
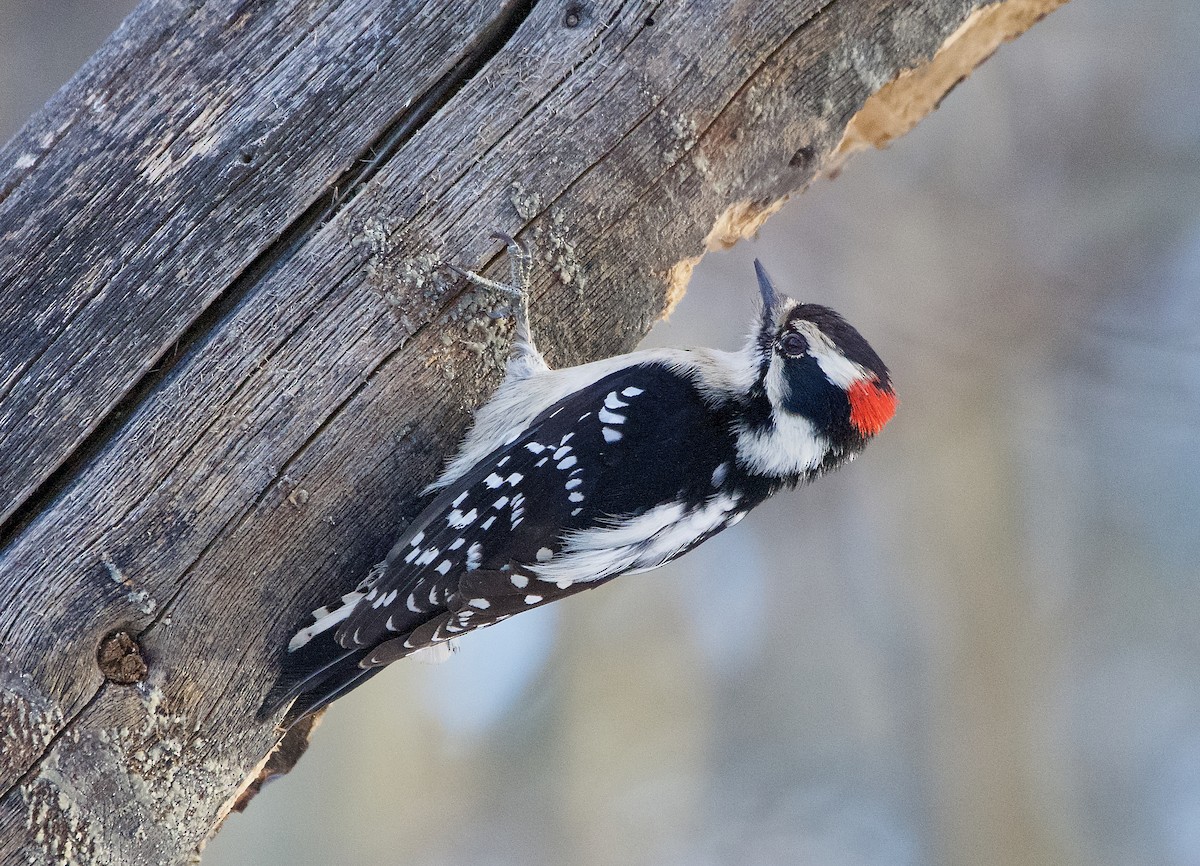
pixel 793 345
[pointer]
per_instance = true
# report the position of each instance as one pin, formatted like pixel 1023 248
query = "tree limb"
pixel 229 360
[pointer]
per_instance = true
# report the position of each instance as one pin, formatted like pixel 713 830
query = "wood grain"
pixel 229 359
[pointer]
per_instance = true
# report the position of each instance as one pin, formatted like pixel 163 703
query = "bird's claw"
pixel 520 262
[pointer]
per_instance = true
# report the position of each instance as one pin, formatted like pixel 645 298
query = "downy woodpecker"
pixel 571 477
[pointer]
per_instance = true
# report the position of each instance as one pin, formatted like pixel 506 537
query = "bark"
pixel 229 360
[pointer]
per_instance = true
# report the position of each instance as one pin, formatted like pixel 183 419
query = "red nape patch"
pixel 870 407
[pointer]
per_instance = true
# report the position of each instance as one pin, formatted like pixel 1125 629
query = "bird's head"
pixel 826 389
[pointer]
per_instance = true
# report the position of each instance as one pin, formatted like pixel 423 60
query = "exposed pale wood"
pixel 229 361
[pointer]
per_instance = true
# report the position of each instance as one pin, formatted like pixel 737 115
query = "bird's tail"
pixel 314 674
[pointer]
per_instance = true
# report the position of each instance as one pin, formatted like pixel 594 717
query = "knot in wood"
pixel 120 659
pixel 573 16
pixel 802 157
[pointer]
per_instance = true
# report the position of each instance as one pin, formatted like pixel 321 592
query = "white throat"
pixel 790 446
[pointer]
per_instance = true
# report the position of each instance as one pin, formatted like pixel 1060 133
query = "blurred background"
pixel 976 645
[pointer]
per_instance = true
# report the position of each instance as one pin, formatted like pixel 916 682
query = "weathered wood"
pixel 230 362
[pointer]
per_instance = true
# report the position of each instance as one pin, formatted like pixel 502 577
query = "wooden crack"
pixel 35 763
pixel 293 238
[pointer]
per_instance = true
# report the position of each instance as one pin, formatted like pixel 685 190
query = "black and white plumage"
pixel 572 477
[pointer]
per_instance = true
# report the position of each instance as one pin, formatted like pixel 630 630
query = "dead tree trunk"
pixel 229 360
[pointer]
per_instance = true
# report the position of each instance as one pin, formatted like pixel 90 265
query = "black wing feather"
pixel 464 562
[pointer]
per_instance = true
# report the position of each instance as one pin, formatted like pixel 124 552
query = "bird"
pixel 569 478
